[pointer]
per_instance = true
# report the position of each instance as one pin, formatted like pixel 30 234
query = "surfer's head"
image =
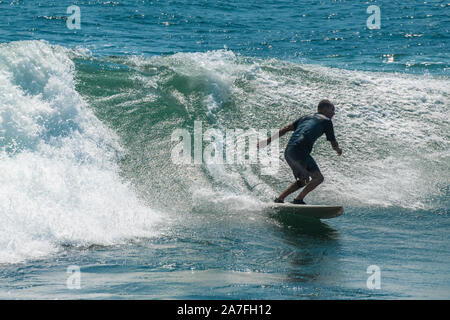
pixel 326 107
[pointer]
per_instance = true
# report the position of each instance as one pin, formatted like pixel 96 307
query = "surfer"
pixel 307 130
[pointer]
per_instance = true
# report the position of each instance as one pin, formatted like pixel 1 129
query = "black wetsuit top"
pixel 308 129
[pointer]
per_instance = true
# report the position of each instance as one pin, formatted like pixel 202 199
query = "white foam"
pixel 58 171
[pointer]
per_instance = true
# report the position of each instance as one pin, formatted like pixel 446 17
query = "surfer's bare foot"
pixel 295 201
pixel 278 200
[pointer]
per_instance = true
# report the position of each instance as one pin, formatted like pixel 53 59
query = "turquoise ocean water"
pixel 88 183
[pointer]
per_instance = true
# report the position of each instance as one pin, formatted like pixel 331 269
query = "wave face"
pixel 86 141
pixel 58 162
pixel 392 127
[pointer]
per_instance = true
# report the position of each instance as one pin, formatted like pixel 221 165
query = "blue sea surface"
pixel 93 206
pixel 334 33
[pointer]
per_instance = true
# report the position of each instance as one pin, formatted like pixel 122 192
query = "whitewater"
pixel 58 162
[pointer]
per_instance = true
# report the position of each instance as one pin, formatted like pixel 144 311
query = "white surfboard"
pixel 311 211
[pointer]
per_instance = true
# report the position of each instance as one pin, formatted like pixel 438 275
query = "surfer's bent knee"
pixel 317 175
pixel 302 182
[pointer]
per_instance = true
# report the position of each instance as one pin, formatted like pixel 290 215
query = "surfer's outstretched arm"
pixel 335 146
pixel 282 132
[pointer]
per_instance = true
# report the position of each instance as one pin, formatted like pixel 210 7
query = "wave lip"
pixel 58 162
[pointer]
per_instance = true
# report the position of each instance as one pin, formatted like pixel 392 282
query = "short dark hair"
pixel 324 104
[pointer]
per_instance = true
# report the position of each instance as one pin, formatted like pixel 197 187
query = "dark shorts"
pixel 299 158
